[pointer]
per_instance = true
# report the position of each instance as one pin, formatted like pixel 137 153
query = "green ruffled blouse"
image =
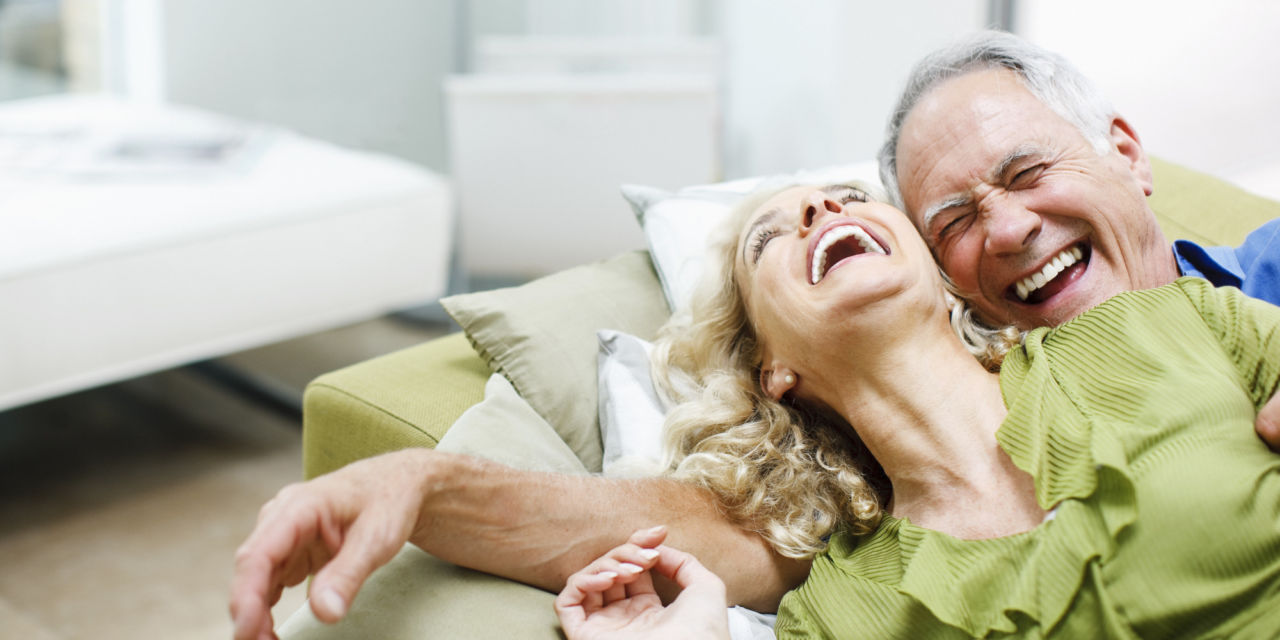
pixel 1136 421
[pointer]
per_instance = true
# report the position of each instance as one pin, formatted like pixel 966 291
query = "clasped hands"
pixel 613 598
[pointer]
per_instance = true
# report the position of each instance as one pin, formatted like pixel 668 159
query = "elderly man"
pixel 1011 162
pixel 1027 185
pixel 1031 191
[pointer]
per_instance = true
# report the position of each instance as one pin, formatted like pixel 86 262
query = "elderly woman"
pixel 1104 483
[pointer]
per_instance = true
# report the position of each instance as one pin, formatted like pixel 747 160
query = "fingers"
pixel 653 536
pixel 371 542
pixel 636 555
pixel 1267 423
pixel 257 581
pixel 580 598
pixel 607 578
pixel 629 562
pixel 687 572
pixel 341 527
pixel 581 586
pixel 281 551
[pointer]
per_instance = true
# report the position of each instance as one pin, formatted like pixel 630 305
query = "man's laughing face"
pixel 1031 223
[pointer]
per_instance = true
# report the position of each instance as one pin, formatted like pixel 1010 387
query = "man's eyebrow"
pixel 751 231
pixel 1022 152
pixel 997 176
pixel 949 203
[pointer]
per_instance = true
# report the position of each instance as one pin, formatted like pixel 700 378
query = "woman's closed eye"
pixel 766 227
pixel 849 194
pixel 759 239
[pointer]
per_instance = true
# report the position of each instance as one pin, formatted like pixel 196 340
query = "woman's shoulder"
pixel 875 555
pixel 1138 314
pixel 853 591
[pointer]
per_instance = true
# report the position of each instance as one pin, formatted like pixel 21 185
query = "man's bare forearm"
pixel 538 528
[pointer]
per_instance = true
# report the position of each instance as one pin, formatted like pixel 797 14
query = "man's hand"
pixel 1267 423
pixel 340 527
pixel 613 598
pixel 533 527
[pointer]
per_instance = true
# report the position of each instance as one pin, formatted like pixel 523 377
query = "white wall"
pixel 537 161
pixel 1198 80
pixel 364 74
pixel 615 17
pixel 810 83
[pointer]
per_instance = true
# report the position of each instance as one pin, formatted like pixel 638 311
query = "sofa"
pixel 542 411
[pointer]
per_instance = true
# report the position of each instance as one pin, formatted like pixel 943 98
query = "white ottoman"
pixel 112 268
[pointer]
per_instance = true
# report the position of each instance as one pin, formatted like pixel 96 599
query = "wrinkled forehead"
pixel 963 129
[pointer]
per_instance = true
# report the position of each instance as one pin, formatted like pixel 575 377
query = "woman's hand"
pixel 340 527
pixel 1267 423
pixel 613 598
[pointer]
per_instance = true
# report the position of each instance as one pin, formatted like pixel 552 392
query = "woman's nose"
pixel 815 206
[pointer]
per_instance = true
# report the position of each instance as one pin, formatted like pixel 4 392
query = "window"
pixel 32 52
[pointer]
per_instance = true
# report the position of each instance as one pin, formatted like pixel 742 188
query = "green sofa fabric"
pixel 417 596
pixel 1195 206
pixel 404 399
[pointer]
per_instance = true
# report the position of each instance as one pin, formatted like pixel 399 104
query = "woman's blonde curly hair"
pixel 790 472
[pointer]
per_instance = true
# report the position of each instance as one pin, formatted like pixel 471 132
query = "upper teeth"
pixel 819 266
pixel 1050 271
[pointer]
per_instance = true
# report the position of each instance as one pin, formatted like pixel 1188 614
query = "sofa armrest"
pixel 408 398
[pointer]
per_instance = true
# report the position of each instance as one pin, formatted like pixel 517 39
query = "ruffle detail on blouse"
pixel 1081 473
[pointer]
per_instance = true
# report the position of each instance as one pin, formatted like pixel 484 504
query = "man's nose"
pixel 814 207
pixel 1011 228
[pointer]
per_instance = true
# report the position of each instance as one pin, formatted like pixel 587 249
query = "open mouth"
pixel 1053 277
pixel 839 242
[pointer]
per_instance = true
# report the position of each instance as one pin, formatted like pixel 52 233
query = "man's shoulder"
pixel 1253 267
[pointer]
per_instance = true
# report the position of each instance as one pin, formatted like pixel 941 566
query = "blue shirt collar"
pixel 1218 265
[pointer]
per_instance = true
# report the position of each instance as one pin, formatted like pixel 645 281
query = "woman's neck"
pixel 929 412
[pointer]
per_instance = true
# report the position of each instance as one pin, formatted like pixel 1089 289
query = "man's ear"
pixel 1125 140
pixel 776 381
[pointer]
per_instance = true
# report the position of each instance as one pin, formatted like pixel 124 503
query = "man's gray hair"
pixel 1050 78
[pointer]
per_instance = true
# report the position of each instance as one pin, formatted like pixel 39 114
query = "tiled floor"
pixel 121 507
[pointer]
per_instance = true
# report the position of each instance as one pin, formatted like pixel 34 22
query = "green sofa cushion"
pixel 1195 206
pixel 403 399
pixel 505 429
pixel 417 596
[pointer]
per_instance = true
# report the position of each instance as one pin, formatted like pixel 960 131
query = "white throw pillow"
pixel 631 411
pixel 676 224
